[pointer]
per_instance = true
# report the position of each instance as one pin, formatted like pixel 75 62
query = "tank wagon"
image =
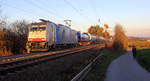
pixel 96 39
pixel 85 39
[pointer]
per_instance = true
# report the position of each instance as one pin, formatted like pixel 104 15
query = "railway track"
pixel 13 64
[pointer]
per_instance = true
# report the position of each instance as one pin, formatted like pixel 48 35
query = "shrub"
pixel 120 40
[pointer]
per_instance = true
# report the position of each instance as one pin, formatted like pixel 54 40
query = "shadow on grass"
pixel 99 72
pixel 143 57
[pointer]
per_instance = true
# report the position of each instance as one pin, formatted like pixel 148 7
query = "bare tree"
pixel 3 20
pixel 20 29
pixel 13 39
pixel 4 38
pixel 120 40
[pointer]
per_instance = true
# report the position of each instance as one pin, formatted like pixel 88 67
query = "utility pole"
pixel 68 22
pixel 99 21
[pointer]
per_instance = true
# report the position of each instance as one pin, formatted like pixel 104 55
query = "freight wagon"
pixel 66 36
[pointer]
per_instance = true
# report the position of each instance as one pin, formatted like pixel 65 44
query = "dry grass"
pixel 11 43
pixel 4 44
pixel 142 44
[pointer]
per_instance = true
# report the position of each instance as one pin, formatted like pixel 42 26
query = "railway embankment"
pixel 62 69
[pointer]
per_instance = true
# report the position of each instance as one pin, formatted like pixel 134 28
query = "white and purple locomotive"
pixel 46 35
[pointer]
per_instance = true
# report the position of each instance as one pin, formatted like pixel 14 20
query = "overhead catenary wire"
pixel 92 4
pixel 28 12
pixel 95 11
pixel 42 8
pixel 93 8
pixel 23 10
pixel 45 9
pixel 54 12
pixel 77 11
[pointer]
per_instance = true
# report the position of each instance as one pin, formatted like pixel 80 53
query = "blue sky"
pixel 134 15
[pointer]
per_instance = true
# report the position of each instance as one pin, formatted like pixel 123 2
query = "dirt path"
pixel 125 68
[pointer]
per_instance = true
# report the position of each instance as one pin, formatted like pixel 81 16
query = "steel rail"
pixel 22 62
pixel 81 75
pixel 13 59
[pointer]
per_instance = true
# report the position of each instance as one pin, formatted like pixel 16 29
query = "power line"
pixel 93 8
pixel 23 10
pixel 73 7
pixel 53 11
pixel 41 8
pixel 33 4
pixel 95 12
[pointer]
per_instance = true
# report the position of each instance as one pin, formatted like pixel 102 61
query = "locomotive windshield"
pixel 37 28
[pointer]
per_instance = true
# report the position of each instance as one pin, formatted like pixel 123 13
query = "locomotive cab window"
pixel 37 28
pixel 42 28
pixel 33 29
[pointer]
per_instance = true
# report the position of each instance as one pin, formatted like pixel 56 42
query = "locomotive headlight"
pixel 42 43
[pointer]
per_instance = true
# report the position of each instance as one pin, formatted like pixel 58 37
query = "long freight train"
pixel 46 35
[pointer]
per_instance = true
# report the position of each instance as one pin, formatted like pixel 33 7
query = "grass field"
pixel 140 44
pixel 98 73
pixel 143 57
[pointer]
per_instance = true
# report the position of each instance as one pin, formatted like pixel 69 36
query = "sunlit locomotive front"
pixel 41 36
